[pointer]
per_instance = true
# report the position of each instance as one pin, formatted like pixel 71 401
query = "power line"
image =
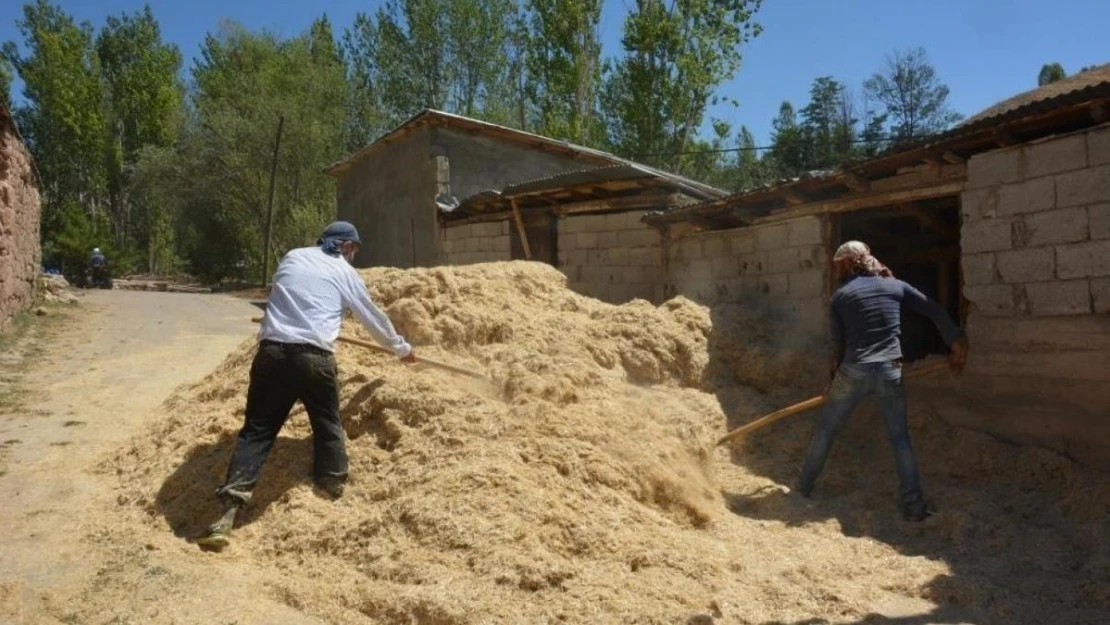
pixel 887 138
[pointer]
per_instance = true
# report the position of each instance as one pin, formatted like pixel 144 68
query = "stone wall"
pixel 20 254
pixel 777 269
pixel 1036 268
pixel 476 243
pixel 614 257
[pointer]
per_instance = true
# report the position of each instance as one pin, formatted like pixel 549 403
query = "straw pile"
pixel 581 486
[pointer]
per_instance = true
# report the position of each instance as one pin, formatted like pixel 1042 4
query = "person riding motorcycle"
pixel 97 274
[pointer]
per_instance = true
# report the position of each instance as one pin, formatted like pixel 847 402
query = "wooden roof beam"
pixel 856 183
pixel 793 198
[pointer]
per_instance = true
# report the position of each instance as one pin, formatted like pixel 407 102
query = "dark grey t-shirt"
pixel 866 318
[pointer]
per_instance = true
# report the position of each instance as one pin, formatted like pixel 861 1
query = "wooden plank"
pixel 793 198
pixel 952 157
pixel 856 183
pixel 522 232
pixel 872 200
pixel 655 200
pixel 476 219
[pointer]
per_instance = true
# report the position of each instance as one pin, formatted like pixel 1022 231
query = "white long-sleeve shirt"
pixel 306 304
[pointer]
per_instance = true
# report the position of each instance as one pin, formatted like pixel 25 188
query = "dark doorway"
pixel 542 232
pixel 920 242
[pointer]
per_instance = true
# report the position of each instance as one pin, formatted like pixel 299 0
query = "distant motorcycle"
pixel 98 277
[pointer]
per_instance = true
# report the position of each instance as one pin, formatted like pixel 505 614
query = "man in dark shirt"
pixel 865 324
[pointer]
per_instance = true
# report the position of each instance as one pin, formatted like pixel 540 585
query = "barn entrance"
pixel 920 242
pixel 541 228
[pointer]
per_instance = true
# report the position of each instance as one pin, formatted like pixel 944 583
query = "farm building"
pixel 401 192
pixel 1005 220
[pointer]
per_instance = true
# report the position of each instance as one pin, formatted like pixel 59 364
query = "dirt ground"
pixel 86 382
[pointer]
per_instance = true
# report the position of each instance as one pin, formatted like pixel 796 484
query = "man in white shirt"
pixel 296 360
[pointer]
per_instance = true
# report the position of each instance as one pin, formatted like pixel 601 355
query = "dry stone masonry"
pixel 19 223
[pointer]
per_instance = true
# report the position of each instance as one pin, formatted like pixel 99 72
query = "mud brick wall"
pixel 475 243
pixel 20 254
pixel 776 269
pixel 614 257
pixel 1036 269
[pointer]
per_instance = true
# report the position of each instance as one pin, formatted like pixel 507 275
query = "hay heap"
pixel 581 486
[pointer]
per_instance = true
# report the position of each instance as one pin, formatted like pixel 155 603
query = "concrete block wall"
pixel 20 254
pixel 614 257
pixel 779 269
pixel 1036 233
pixel 1036 268
pixel 475 243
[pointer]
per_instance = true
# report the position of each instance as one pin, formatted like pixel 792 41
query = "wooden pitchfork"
pixel 813 402
pixel 427 361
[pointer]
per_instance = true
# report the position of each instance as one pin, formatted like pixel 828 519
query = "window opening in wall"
pixel 920 242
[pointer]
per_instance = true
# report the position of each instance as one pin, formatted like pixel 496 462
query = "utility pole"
pixel 270 207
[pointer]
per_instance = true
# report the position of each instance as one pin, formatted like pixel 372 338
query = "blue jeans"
pixel 853 382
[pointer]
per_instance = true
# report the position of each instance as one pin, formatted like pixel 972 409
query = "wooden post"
pixel 270 206
pixel 521 231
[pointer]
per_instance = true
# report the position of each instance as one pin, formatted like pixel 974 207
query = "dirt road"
pixel 102 374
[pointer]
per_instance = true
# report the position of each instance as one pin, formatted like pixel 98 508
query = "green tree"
pixel 913 96
pixel 564 66
pixel 1051 72
pixel 143 104
pixel 63 120
pixel 244 82
pixel 5 83
pixel 676 56
pixel 788 152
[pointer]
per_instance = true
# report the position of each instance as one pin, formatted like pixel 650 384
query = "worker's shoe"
pixel 219 533
pixel 918 511
pixel 332 486
pixel 802 490
pixel 216 539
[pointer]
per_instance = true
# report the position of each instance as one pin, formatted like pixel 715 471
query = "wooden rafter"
pixel 952 157
pixel 855 182
pixel 870 200
pixel 793 198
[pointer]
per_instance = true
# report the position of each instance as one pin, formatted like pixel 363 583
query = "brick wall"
pixel 778 269
pixel 20 255
pixel 614 257
pixel 475 243
pixel 1036 268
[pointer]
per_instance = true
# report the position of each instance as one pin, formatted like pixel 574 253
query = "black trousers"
pixel 281 374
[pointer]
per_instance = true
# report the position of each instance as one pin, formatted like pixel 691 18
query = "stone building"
pixel 20 253
pixel 523 196
pixel 1004 219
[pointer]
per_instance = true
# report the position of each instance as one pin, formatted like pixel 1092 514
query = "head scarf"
pixel 335 235
pixel 863 263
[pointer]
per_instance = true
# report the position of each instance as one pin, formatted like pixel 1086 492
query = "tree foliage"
pixel 169 170
pixel 676 56
pixel 915 99
pixel 1050 73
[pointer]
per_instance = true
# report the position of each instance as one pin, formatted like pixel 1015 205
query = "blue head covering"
pixel 335 234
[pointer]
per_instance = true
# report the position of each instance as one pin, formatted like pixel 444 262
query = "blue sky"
pixel 985 50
